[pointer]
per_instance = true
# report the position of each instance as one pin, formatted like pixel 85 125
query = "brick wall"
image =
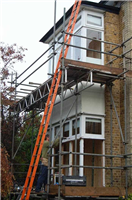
pixel 127 33
pixel 111 34
pixel 118 28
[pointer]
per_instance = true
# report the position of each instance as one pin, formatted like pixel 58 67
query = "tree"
pixel 9 55
pixel 6 175
pixel 23 157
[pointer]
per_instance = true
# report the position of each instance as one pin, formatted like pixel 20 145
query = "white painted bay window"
pixel 77 42
pixel 93 126
pixel 95 33
pixel 94 44
pixel 94 19
pixel 74 126
pixel 66 130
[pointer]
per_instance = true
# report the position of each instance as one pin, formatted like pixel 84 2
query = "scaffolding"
pixel 75 73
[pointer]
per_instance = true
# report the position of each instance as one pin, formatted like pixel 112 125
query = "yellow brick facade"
pixel 111 34
pixel 118 28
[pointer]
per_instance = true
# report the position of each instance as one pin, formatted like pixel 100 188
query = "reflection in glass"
pixel 93 44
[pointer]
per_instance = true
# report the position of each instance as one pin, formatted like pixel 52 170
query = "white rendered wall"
pixel 90 101
pixel 93 100
pixel 66 107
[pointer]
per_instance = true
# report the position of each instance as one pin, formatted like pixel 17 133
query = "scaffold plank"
pixel 89 191
pixel 90 66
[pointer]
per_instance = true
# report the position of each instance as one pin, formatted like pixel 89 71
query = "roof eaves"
pixel 103 2
pixel 57 25
pixel 100 6
pixel 84 3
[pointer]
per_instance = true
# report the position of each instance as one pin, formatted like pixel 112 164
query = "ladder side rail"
pixel 43 136
pixel 33 158
pixel 74 22
pixel 39 133
pixel 38 140
pixel 70 20
pixel 40 130
pixel 50 110
pixel 41 127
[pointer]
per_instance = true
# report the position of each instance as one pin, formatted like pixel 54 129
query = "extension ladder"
pixel 49 107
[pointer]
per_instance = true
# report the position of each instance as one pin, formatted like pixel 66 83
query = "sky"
pixel 25 22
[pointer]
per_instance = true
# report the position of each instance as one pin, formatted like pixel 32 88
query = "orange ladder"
pixel 49 107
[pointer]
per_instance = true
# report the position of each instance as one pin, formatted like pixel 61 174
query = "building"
pixel 97 132
pixel 106 21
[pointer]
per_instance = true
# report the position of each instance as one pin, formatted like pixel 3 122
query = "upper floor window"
pixel 60 38
pixel 94 44
pixel 78 23
pixel 95 20
pixel 77 42
pixel 94 33
pixel 89 24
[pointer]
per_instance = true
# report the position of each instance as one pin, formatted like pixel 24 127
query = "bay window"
pixel 94 20
pixel 93 126
pixel 93 44
pixel 94 30
pixel 74 126
pixel 66 130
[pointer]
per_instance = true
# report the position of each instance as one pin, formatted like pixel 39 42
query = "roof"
pixel 111 3
pixel 99 6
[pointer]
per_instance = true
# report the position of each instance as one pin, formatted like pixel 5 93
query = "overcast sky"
pixel 24 22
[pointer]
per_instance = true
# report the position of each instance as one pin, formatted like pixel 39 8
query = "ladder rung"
pixel 30 176
pixel 72 18
pixel 75 9
pixel 70 26
pixel 38 144
pixel 49 107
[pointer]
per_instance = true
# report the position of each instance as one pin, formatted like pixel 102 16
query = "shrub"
pixel 6 175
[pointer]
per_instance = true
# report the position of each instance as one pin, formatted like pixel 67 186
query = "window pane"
pixel 57 128
pixel 93 126
pixel 66 158
pixel 74 126
pixel 92 44
pixel 78 23
pixel 69 52
pixel 66 130
pixel 77 42
pixel 60 38
pixel 91 19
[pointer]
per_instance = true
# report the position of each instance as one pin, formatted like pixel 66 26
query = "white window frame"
pixel 78 135
pixel 96 27
pixel 82 135
pixel 99 61
pixel 74 49
pixel 72 137
pixel 75 32
pixel 83 14
pixel 93 136
pixel 69 128
pixel 78 18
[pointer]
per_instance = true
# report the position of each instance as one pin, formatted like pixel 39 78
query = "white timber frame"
pixel 81 136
